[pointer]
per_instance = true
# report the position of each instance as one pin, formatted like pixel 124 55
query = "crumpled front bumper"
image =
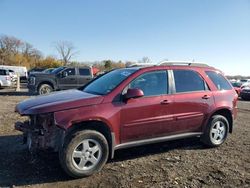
pixel 40 137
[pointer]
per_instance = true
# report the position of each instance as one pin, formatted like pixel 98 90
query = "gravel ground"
pixel 182 163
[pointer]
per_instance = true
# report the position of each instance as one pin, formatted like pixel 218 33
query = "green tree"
pixel 108 64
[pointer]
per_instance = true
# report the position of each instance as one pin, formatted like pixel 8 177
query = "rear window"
pixel 219 81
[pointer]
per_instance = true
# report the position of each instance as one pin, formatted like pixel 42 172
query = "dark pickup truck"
pixel 61 78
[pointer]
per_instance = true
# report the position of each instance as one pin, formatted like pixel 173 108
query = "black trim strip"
pixel 156 140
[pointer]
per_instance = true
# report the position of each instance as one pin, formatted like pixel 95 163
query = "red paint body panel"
pixel 190 114
pixel 238 90
pixel 61 100
pixel 146 117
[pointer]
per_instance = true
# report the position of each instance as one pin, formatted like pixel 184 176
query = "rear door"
pixel 192 100
pixel 85 75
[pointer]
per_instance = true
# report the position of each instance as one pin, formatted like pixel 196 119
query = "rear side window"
pixel 219 81
pixel 84 72
pixel 188 81
pixel 152 83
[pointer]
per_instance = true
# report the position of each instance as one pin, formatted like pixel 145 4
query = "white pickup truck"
pixel 5 78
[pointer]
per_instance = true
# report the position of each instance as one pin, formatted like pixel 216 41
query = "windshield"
pixel 48 70
pixel 57 70
pixel 106 83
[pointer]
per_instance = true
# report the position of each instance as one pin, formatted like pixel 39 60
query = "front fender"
pixel 65 119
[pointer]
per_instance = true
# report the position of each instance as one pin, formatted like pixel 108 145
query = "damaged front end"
pixel 40 132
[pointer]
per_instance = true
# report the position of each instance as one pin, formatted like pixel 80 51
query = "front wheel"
pixel 84 153
pixel 216 131
pixel 45 89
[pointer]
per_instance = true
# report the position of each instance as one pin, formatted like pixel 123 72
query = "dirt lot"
pixel 183 163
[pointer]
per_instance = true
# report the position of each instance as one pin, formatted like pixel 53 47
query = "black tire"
pixel 44 89
pixel 213 136
pixel 73 143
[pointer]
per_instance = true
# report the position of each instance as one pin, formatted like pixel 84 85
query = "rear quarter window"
pixel 219 81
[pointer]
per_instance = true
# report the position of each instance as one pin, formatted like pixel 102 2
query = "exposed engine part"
pixel 40 132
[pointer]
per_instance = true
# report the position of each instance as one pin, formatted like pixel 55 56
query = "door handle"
pixel 165 101
pixel 206 97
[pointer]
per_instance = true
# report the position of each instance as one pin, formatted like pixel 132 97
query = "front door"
pixel 68 79
pixel 144 117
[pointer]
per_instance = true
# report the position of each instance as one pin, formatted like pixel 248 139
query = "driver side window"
pixel 152 83
pixel 69 72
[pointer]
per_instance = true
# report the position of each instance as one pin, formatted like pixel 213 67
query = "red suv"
pixel 129 107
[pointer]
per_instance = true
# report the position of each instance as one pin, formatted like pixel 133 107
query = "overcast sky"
pixel 214 31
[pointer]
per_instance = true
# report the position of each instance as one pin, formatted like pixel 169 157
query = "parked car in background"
pixel 22 71
pixel 5 78
pixel 13 76
pixel 61 78
pixel 128 107
pixel 245 82
pixel 237 87
pixel 245 93
pixel 35 70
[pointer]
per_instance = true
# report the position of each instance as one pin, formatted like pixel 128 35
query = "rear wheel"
pixel 84 153
pixel 216 131
pixel 45 89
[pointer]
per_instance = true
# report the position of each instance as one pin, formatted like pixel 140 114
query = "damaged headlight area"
pixel 40 132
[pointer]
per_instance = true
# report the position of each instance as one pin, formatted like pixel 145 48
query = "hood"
pixel 44 74
pixel 57 101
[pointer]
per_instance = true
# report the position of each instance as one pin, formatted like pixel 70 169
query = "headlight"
pixel 32 80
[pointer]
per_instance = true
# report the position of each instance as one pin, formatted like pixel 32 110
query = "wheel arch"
pixel 227 114
pixel 46 82
pixel 98 126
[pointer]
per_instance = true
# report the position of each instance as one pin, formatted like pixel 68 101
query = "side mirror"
pixel 134 93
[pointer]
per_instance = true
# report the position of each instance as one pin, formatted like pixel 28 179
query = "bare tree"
pixel 66 50
pixel 29 51
pixel 145 60
pixel 9 46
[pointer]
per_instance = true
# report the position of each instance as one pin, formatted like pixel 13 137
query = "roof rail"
pixel 167 63
pixel 183 63
pixel 142 65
